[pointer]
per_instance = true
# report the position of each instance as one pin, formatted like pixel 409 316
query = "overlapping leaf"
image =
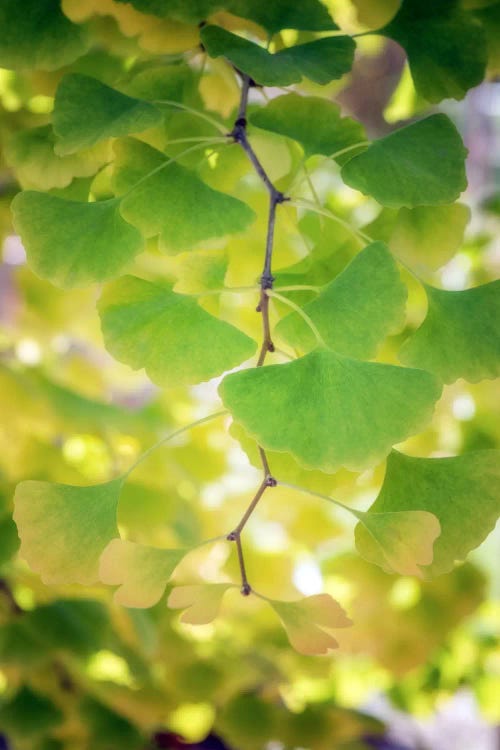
pixel 401 168
pixel 308 622
pixel 314 122
pixel 63 528
pixel 359 409
pixel 460 336
pixel 173 202
pixel 71 243
pixel 322 60
pixel 357 310
pixel 112 113
pixel 170 335
pixel 446 47
pixel 35 34
pixel 201 602
pixel 140 571
pixel 463 492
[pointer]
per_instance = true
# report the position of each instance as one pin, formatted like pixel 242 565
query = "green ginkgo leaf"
pixel 308 621
pixel 401 168
pixel 463 492
pixel 446 47
pixel 63 528
pixel 141 572
pixel 313 122
pixel 460 336
pixel 35 34
pixel 113 113
pixel 321 60
pixel 308 15
pixel 357 310
pixel 71 243
pixel 31 153
pixel 173 202
pixel 359 409
pixel 201 602
pixel 400 542
pixel 169 334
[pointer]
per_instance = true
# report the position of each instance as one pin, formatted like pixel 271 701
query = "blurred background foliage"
pixel 420 668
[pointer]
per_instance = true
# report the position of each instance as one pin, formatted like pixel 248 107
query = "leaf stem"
pixel 356 513
pixel 171 436
pixel 302 314
pixel 301 203
pixel 169 103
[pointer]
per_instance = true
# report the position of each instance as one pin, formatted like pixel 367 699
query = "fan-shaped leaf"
pixel 63 529
pixel 359 409
pixel 169 334
pixel 201 602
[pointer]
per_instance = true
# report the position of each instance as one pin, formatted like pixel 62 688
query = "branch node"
pixel 232 536
pixel 246 589
pixel 270 481
pixel 266 281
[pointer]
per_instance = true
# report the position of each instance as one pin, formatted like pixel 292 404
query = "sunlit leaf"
pixel 113 113
pixel 357 310
pixel 359 409
pixel 446 47
pixel 314 122
pixel 201 602
pixel 63 528
pixel 71 243
pixel 460 337
pixel 36 34
pixel 178 343
pixel 308 621
pixel 463 492
pixel 400 169
pixel 173 202
pixel 141 572
pixel 400 542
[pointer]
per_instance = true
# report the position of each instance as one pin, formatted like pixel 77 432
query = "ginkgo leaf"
pixel 400 542
pixel 251 58
pixel 308 621
pixel 308 15
pixel 357 310
pixel 400 169
pixel 113 113
pixel 71 243
pixel 321 60
pixel 446 47
pixel 460 336
pixel 463 492
pixel 201 602
pixel 314 122
pixel 169 334
pixel 140 571
pixel 37 35
pixel 173 202
pixel 63 528
pixel 31 153
pixel 359 409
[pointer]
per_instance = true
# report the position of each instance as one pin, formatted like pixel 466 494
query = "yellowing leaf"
pixel 308 621
pixel 63 529
pixel 141 572
pixel 201 602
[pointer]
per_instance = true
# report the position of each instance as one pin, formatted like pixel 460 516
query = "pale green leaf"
pixel 357 310
pixel 308 621
pixel 314 122
pixel 113 113
pixel 35 34
pixel 463 492
pixel 401 168
pixel 71 243
pixel 400 542
pixel 173 202
pixel 169 334
pixel 446 47
pixel 31 153
pixel 63 528
pixel 201 602
pixel 460 336
pixel 141 572
pixel 356 410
